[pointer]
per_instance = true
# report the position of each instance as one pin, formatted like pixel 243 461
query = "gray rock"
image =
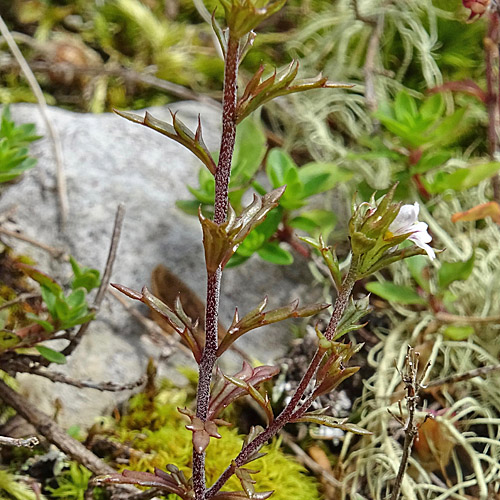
pixel 109 160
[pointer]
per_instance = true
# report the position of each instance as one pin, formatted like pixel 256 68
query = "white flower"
pixel 407 222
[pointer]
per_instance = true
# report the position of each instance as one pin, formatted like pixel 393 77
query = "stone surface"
pixel 109 160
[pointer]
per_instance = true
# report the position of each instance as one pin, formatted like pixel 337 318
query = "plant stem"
pixel 492 104
pixel 289 411
pixel 223 171
pixel 412 386
pixel 222 175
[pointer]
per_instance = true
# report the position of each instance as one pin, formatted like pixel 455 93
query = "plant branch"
pixel 52 432
pixel 115 238
pixel 56 142
pixel 459 377
pixel 290 410
pixel 20 298
pixel 222 175
pixel 19 442
pixel 369 68
pixel 469 320
pixel 55 252
pixel 64 379
pixel 412 386
pixel 492 104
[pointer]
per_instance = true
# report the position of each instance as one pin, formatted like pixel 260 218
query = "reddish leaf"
pixel 469 87
pixel 490 209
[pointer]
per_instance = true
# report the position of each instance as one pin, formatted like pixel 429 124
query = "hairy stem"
pixel 491 48
pixel 290 410
pixel 222 175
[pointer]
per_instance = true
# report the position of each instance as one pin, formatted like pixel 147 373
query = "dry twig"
pixel 115 238
pixel 412 385
pixel 19 442
pixel 20 298
pixel 55 252
pixel 459 377
pixel 56 142
pixel 82 384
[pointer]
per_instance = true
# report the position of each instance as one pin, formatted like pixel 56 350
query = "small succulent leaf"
pixel 247 483
pixel 177 132
pixel 329 421
pixel 243 17
pixel 178 320
pixel 334 378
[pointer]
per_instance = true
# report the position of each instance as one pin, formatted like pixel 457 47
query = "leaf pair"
pixel 229 388
pixel 257 318
pixel 258 91
pixel 176 318
pixel 221 241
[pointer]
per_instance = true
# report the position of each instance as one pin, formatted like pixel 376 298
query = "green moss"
pixel 12 488
pixel 155 427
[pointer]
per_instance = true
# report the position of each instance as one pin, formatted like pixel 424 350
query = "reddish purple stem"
pixel 222 175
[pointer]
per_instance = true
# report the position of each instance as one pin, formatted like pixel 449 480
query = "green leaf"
pixel 315 222
pixel 455 332
pixel 463 178
pixel 237 259
pixel 441 136
pixel 429 160
pixel 455 271
pixel 417 265
pixel 50 300
pixel 278 164
pixel 85 277
pixel 273 253
pixel 321 177
pixel 397 128
pixel 395 293
pixel 405 108
pixel 249 151
pixel 432 107
pixel 189 207
pixel 77 299
pixel 46 325
pixel 51 355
